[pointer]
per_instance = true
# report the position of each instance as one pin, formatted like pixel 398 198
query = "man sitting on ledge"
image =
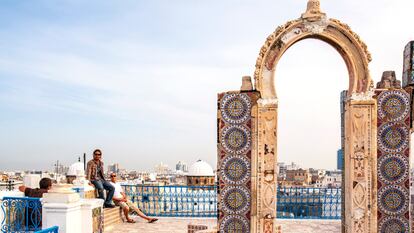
pixel 121 200
pixel 95 174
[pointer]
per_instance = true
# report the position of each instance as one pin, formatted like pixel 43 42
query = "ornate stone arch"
pixel 313 24
pixel 360 173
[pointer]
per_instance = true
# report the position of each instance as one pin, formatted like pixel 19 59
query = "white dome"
pixel 200 168
pixel 76 169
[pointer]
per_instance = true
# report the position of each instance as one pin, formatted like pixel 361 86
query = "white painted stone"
pixel 62 207
pixel 60 198
pixel 87 205
pixel 10 194
pixel 65 215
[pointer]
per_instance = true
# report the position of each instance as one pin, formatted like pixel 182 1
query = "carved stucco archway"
pixel 313 25
pixel 359 186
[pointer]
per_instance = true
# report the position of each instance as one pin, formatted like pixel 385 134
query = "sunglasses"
pixel 98 154
pixel 113 176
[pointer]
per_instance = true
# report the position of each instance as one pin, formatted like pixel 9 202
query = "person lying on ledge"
pixel 45 184
pixel 35 211
pixel 120 199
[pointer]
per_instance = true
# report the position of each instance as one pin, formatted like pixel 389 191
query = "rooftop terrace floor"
pixel 179 225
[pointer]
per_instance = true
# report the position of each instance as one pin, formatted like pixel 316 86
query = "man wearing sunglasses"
pixel 127 206
pixel 95 174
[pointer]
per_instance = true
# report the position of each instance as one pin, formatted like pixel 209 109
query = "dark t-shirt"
pixel 99 172
pixel 35 221
pixel 37 192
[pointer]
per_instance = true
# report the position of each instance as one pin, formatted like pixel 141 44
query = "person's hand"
pixel 22 188
pixel 91 184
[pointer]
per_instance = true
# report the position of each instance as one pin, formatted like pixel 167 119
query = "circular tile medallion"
pixel 234 224
pixel 235 108
pixel 235 169
pixel 393 200
pixel 393 105
pixel 393 138
pixel 393 168
pixel 393 225
pixel 236 139
pixel 235 200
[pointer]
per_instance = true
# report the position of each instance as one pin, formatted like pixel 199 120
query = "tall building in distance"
pixel 180 166
pixel 340 159
pixel 113 168
pixel 340 153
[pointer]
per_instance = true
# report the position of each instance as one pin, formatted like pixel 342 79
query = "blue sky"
pixel 139 79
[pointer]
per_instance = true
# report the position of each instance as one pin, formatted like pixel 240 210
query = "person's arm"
pixel 118 199
pixel 28 192
pixel 22 188
pixel 124 196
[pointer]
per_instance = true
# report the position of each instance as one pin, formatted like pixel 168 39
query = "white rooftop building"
pixel 200 168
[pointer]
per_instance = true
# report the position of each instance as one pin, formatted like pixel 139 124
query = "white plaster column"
pixel 88 206
pixel 62 207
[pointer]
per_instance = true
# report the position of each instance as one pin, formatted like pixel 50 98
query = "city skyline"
pixel 139 80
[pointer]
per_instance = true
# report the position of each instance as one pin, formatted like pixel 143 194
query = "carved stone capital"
pixel 268 102
pixel 364 96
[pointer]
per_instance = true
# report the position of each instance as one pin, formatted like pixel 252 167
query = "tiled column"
pixel 393 160
pixel 234 163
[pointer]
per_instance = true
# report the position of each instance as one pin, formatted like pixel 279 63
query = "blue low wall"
pixel 201 201
pixel 21 214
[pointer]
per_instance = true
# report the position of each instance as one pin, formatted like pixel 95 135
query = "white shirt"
pixel 118 190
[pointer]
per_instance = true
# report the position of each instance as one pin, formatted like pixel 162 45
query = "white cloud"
pixel 160 66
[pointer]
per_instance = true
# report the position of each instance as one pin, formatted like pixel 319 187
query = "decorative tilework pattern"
pixel 236 139
pixel 235 108
pixel 393 225
pixel 234 223
pixel 235 169
pixel 393 106
pixel 393 137
pixel 393 168
pixel 234 161
pixel 235 200
pixel 393 160
pixel 392 200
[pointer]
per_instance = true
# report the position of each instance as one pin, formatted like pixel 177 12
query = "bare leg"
pixel 138 211
pixel 125 209
pixel 126 213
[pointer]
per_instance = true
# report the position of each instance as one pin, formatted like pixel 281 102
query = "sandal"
pixel 131 221
pixel 153 220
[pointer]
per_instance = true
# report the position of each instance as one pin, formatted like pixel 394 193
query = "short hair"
pixel 96 150
pixel 45 183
